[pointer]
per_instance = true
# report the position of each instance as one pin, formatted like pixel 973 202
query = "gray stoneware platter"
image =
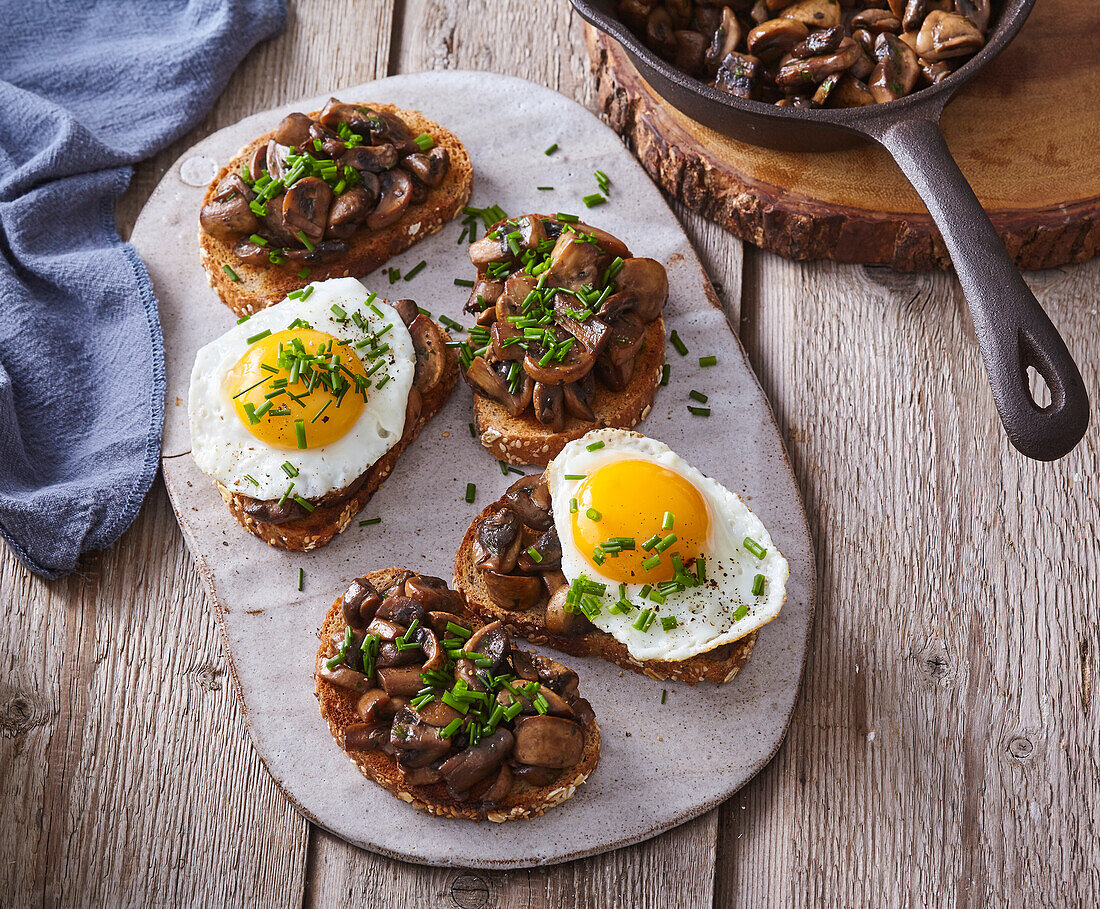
pixel 661 765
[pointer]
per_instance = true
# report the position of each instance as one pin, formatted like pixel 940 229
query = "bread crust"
pixel 338 705
pixel 531 626
pixel 260 286
pixel 524 440
pixel 325 521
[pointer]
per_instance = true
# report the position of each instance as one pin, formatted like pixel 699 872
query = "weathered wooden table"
pixel 945 748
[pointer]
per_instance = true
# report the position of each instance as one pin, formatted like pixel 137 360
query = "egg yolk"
pixel 278 371
pixel 628 500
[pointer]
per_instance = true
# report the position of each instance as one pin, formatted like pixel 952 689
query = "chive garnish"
pixel 593 515
pixel 535 555
pixel 300 432
pixel 543 188
pixel 252 479
pixel 651 542
pixel 566 218
pixel 415 270
pixel 740 612
pixel 232 276
pixel 575 476
pixel 665 542
pixel 708 361
pixel 304 503
pixel 370 521
pixel 595 446
pixel 665 371
pixel 338 311
pixel 593 199
pixel 667 522
pixel 572 506
pixel 697 396
pixel 258 240
pixel 289 469
pixel 664 691
pixel 258 337
pixel 652 562
pixel 700 411
pixel 473 432
pixel 301 235
pixel 553 148
pixel 471 491
pixel 463 282
pixel 303 274
pixel 302 579
pixel 755 548
pixel 668 622
pixel 424 142
pixel 758 585
pixel 644 620
pixel 678 343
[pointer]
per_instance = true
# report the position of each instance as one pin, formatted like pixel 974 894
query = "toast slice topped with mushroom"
pixel 334 193
pixel 569 338
pixel 442 710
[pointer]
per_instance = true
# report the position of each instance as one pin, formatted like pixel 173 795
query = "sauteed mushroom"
pixel 228 213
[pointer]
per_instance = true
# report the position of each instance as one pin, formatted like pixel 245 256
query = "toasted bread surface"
pixel 524 440
pixel 531 625
pixel 338 705
pixel 325 521
pixel 260 286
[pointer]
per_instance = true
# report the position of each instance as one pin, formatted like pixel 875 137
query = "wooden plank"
pixel 676 869
pixel 944 751
pixel 126 777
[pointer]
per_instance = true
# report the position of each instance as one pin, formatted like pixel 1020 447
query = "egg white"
pixel 224 448
pixel 705 613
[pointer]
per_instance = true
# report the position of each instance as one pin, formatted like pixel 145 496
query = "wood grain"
pixel 946 746
pixel 1027 160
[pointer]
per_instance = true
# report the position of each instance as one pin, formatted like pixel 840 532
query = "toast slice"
pixel 524 440
pixel 718 666
pixel 260 286
pixel 329 519
pixel 338 708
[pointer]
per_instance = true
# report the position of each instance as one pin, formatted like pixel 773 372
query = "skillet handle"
pixel 1013 330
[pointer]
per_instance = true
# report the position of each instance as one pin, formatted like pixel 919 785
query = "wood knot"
pixel 1021 747
pixel 19 714
pixel 470 891
pixel 936 665
pixel 208 678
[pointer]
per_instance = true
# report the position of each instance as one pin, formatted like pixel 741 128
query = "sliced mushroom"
pixel 576 362
pixel 575 262
pixel 562 621
pixel 365 736
pixel 305 208
pixel 439 619
pixel 496 546
pixel 726 38
pixel 977 11
pixel 513 591
pixel 534 776
pixel 945 35
pixel 468 673
pixel 487 381
pixel 484 296
pixel 934 73
pixel 486 251
pixel 375 704
pixel 395 194
pixel 523 666
pixel 407 310
pixel 877 20
pixel 396 131
pixel 897 69
pixel 434 655
pixel 276 159
pixel 659 32
pixel 553 581
pixel 473 764
pixel 491 641
pixel 401 610
pixel 850 92
pixel 343 676
pixel 796 72
pixel 390 655
pixel 506 341
pixel 556 705
pixel 335 112
pixel 548 547
pixel 554 675
pixel 385 629
pixel 578 398
pixel 691 49
pixel 772 39
pixel 437 714
pixel 413 406
pixel 627 334
pixel 549 405
pixel 614 376
pixel 549 741
pixel 349 210
pixel 373 159
pixel 821 42
pixel 258 163
pixel 431 352
pixel 434 594
pixel 293 130
pixel 420 776
pixel 915 11
pixel 429 168
pixel 529 499
pixel 502 785
pixel 592 333
pixel 814 13
pixel 416 744
pixel 400 681
pixel 739 75
pixel 609 244
pixel 359 603
pixel 228 214
pixel 324 251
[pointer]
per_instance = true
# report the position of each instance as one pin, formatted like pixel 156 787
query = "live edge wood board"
pixel 1025 132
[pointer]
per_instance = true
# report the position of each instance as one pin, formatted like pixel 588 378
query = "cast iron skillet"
pixel 1012 329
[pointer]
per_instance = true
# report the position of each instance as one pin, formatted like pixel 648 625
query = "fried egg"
pixel 661 557
pixel 303 396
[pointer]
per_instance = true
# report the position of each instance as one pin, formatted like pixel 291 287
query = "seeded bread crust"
pixel 524 440
pixel 531 625
pixel 325 521
pixel 524 801
pixel 260 286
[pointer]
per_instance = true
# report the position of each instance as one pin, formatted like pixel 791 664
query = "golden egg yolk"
pixel 629 499
pixel 273 371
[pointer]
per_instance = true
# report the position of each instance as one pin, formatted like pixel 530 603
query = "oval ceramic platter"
pixel 661 764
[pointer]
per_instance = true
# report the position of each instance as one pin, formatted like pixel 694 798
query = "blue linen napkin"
pixel 86 89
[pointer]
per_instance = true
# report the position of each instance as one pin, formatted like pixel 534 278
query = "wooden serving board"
pixel 661 763
pixel 1025 132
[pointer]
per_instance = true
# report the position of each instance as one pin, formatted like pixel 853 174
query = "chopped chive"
pixel 665 370
pixel 697 396
pixel 664 691
pixel 303 502
pixel 668 622
pixel 258 240
pixel 301 235
pixel 651 542
pixel 258 337
pixel 700 411
pixel 535 555
pixel 301 578
pixel 553 148
pixel 652 562
pixel 463 282
pixel 566 218
pixel 740 612
pixel 452 727
pixel 595 446
pixel 593 515
pixel 678 343
pixel 424 142
pixel 289 469
pixel 708 361
pixel 300 432
pixel 252 479
pixel 370 521
pixel 503 468
pixel 243 319
pixel 317 415
pixel 543 188
pixel 668 521
pixel 250 412
pixel 263 408
pixel 644 620
pixel 758 585
pixel 415 270
pixel 471 491
pixel 665 542
pixel 232 276
pixel 755 548
pixel 572 506
pixel 593 199
pixel 575 476
pixel 450 323
pixel 338 311
pixel 473 432
pixel 303 274
pixel 393 274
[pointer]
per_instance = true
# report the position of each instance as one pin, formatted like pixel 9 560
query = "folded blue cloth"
pixel 86 89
